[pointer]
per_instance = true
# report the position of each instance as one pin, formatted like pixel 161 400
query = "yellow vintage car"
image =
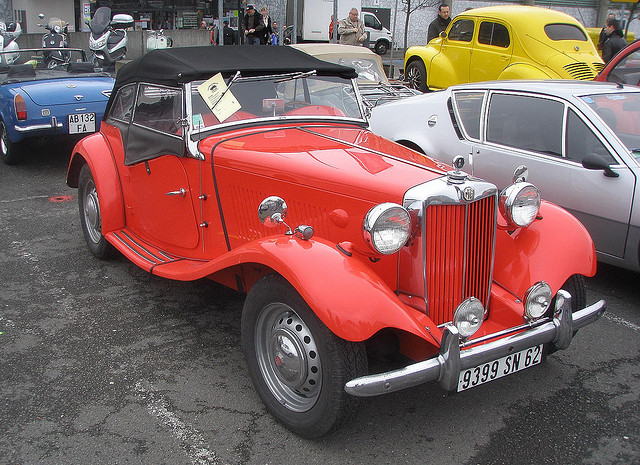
pixel 504 42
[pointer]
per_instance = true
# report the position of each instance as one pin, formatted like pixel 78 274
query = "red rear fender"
pixel 94 151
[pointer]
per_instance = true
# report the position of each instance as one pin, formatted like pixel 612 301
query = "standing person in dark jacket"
pixel 603 32
pixel 615 42
pixel 252 26
pixel 440 23
pixel 268 26
pixel 228 35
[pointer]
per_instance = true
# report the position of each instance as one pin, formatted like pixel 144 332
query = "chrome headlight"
pixel 468 317
pixel 519 204
pixel 386 228
pixel 537 300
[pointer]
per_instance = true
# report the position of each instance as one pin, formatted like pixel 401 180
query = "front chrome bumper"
pixel 451 360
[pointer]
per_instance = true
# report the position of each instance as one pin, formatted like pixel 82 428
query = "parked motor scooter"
pixel 157 40
pixel 8 43
pixel 55 38
pixel 108 37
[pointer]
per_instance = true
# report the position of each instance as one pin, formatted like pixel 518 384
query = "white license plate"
pixel 498 368
pixel 81 123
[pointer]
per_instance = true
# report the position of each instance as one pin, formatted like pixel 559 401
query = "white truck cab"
pixel 380 38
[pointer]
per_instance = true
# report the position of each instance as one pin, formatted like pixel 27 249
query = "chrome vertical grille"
pixel 451 256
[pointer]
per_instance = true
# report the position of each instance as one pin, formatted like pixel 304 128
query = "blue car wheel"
pixel 10 152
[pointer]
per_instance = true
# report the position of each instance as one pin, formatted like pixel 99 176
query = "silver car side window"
pixel 582 141
pixel 526 122
pixel 469 110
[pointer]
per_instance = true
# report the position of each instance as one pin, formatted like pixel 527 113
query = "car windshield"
pixel 367 69
pixel 294 96
pixel 621 112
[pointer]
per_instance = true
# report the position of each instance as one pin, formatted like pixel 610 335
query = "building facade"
pixel 188 14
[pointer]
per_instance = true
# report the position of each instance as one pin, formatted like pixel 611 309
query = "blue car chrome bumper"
pixel 53 125
pixel 447 365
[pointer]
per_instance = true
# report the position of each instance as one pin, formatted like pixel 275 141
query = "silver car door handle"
pixel 181 192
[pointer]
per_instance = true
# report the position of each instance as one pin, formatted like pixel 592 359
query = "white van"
pixel 380 38
pixel 314 17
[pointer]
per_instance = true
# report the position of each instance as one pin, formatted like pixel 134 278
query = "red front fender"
pixel 94 150
pixel 349 298
pixel 551 250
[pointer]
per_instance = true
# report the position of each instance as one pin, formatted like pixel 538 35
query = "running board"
pixel 153 259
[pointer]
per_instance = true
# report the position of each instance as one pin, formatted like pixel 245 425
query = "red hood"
pixel 346 160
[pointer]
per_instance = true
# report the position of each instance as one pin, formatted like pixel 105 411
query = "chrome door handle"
pixel 181 192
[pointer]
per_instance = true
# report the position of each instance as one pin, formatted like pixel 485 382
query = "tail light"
pixel 20 107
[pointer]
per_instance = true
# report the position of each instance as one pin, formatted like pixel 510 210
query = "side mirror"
pixel 272 211
pixel 443 34
pixel 520 174
pixel 41 16
pixel 594 162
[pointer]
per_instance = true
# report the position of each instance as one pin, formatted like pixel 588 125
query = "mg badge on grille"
pixel 468 194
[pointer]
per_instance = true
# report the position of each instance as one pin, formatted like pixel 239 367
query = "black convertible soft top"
pixel 174 66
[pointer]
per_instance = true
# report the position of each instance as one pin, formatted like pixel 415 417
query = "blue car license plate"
pixel 504 366
pixel 81 123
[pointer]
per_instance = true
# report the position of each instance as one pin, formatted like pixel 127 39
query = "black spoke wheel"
pixel 90 216
pixel 297 365
pixel 10 152
pixel 416 75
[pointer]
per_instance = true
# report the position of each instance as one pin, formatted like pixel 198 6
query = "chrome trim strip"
pixel 450 361
pixel 505 332
pixel 141 247
pixel 37 127
pixel 128 246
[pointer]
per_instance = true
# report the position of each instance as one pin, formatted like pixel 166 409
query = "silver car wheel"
pixel 91 210
pixel 288 357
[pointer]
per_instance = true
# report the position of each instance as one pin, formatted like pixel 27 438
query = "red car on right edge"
pixel 624 68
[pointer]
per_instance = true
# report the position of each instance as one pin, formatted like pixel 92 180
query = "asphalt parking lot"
pixel 102 363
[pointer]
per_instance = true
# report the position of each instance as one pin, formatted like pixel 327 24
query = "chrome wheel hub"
pixel 91 209
pixel 413 77
pixel 288 357
pixel 3 141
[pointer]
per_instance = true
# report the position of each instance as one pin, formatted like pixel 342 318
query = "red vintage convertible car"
pixel 257 170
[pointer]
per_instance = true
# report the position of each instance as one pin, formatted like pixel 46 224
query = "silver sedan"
pixel 579 140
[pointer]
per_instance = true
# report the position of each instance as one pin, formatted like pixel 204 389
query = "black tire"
pixel 577 287
pixel 416 75
pixel 90 216
pixel 10 152
pixel 304 390
pixel 381 47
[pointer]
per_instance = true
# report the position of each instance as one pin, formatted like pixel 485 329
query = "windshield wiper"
pixel 296 76
pixel 229 84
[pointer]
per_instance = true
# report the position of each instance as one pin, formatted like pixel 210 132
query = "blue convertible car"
pixel 37 102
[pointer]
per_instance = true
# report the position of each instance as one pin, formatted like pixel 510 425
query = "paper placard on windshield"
pixel 213 91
